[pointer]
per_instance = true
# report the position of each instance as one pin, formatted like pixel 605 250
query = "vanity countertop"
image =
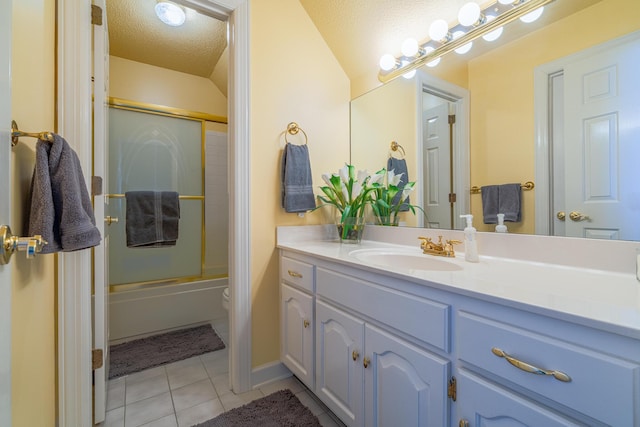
pixel 602 299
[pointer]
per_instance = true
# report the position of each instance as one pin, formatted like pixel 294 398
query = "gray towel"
pixel 60 208
pixel 504 199
pixel 509 201
pixel 489 194
pixel 297 186
pixel 152 218
pixel 399 166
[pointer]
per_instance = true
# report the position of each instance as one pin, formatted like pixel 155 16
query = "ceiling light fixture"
pixel 473 23
pixel 170 13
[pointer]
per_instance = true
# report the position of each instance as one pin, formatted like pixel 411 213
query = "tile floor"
pixel 191 391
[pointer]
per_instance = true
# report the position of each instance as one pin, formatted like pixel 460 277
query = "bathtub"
pixel 136 312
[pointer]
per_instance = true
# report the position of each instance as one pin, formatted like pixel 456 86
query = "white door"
pixel 602 143
pixel 101 252
pixel 436 156
pixel 5 209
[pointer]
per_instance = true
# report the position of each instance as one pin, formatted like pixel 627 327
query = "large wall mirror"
pixel 557 106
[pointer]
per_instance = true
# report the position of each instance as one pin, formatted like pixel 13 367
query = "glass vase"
pixel 387 220
pixel 350 229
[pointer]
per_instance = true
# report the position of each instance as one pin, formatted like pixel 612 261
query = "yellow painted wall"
pixel 294 77
pixel 33 387
pixel 501 85
pixel 135 81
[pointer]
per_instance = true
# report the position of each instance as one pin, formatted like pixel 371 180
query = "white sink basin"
pixel 403 259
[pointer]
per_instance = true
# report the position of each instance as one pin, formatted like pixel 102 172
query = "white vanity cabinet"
pixel 390 350
pixel 296 318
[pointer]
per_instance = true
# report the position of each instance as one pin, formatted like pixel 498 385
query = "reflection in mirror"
pixel 507 142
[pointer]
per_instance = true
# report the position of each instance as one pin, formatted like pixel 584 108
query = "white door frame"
pixel 544 178
pixel 74 269
pixel 5 212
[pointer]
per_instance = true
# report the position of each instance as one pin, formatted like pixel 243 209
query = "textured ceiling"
pixel 136 33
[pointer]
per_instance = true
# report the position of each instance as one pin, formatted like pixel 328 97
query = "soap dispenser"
pixel 501 228
pixel 470 243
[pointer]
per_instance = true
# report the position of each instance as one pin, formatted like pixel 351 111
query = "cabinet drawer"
pixel 600 386
pixel 422 318
pixel 297 273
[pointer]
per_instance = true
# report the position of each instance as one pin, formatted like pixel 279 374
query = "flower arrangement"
pixel 349 192
pixel 388 199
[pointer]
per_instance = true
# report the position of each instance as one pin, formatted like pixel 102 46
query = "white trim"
pixel 74 269
pixel 269 373
pixel 239 202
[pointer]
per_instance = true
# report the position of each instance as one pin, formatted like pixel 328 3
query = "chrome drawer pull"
pixel 294 274
pixel 561 376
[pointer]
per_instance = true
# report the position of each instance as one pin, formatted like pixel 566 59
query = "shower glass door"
pixel 155 152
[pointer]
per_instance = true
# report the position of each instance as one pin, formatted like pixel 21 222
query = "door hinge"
pixel 96 185
pixel 96 359
pixel 452 197
pixel 96 15
pixel 452 389
pixel 452 119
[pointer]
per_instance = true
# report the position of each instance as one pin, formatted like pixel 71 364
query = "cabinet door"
pixel 339 370
pixel 404 384
pixel 296 347
pixel 483 404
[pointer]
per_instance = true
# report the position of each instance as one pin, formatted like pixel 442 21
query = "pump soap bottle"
pixel 501 228
pixel 470 243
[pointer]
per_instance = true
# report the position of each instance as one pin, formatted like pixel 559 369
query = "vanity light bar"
pixel 506 17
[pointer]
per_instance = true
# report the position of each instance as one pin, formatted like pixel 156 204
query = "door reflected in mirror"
pixel 506 137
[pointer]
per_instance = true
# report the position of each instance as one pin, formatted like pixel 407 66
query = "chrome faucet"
pixel 438 249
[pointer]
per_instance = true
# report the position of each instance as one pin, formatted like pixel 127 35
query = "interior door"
pixel 436 155
pixel 602 143
pixel 101 252
pixel 5 209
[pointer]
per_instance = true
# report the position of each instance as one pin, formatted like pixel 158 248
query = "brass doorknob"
pixel 110 219
pixel 577 216
pixel 561 215
pixel 10 244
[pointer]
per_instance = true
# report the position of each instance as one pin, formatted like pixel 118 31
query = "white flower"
pixel 327 179
pixel 377 178
pixel 394 179
pixel 345 190
pixel 344 174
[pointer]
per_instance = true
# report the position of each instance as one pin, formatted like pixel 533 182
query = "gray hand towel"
pixel 60 207
pixel 489 194
pixel 297 186
pixel 399 166
pixel 152 218
pixel 509 201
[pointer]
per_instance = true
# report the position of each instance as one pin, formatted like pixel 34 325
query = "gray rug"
pixel 279 409
pixel 144 353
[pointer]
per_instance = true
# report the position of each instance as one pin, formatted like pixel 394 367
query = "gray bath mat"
pixel 279 409
pixel 144 353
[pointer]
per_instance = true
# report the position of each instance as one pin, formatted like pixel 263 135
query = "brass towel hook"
pixel 17 133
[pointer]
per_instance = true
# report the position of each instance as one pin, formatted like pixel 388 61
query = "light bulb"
pixel 506 1
pixel 464 48
pixel 409 74
pixel 410 47
pixel 439 30
pixel 495 34
pixel 428 50
pixel 171 14
pixel 388 62
pixel 469 14
pixel 532 16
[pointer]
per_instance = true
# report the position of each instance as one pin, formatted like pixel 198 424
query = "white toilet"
pixel 225 298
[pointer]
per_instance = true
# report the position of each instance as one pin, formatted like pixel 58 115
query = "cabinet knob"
pixel 463 423
pixel 305 323
pixel 355 355
pixel 365 362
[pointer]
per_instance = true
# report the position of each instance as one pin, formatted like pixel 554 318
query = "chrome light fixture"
pixel 170 13
pixel 473 23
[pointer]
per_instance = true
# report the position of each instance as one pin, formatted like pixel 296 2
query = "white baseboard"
pixel 268 373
